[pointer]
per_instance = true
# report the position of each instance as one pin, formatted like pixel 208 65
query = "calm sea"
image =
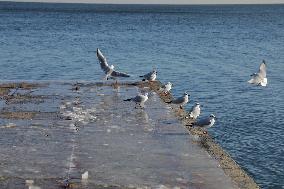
pixel 209 51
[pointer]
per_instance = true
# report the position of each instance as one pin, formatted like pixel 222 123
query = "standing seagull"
pixel 109 70
pixel 139 99
pixel 166 88
pixel 205 122
pixel 183 100
pixel 151 76
pixel 260 77
pixel 195 111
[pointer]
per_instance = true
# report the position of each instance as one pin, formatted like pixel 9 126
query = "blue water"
pixel 209 51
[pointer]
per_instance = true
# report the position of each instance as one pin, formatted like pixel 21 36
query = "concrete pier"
pixel 52 133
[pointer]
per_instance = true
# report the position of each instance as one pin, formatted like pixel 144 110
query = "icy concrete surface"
pixel 64 133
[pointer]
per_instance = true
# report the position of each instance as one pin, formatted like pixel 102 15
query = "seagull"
pixel 195 111
pixel 206 122
pixel 183 100
pixel 166 88
pixel 260 77
pixel 109 70
pixel 139 99
pixel 151 76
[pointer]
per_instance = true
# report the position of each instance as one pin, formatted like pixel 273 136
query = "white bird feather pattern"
pixel 109 70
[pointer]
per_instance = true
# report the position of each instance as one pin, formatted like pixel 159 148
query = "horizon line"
pixel 95 3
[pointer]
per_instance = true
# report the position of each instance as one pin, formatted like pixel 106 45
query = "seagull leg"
pixel 115 85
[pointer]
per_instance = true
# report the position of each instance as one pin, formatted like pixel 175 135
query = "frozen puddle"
pixel 70 132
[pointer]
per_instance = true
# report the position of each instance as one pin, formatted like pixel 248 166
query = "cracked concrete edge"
pixel 230 166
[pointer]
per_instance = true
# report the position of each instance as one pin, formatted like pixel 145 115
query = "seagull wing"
pixel 256 79
pixel 103 62
pixel 178 100
pixel 203 122
pixel 147 76
pixel 262 70
pixel 138 99
pixel 119 74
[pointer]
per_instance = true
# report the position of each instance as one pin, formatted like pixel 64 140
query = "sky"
pixel 161 1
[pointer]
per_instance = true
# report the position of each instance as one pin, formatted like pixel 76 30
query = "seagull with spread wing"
pixel 109 70
pixel 260 77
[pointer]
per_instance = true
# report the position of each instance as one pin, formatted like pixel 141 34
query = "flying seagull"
pixel 140 99
pixel 151 76
pixel 166 88
pixel 260 77
pixel 205 122
pixel 195 111
pixel 183 100
pixel 109 70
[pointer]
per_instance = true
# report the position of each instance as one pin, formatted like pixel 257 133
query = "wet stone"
pixel 90 128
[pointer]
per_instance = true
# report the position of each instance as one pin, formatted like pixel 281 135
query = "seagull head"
pixel 197 103
pixel 146 94
pixel 169 83
pixel 254 74
pixel 212 116
pixel 186 94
